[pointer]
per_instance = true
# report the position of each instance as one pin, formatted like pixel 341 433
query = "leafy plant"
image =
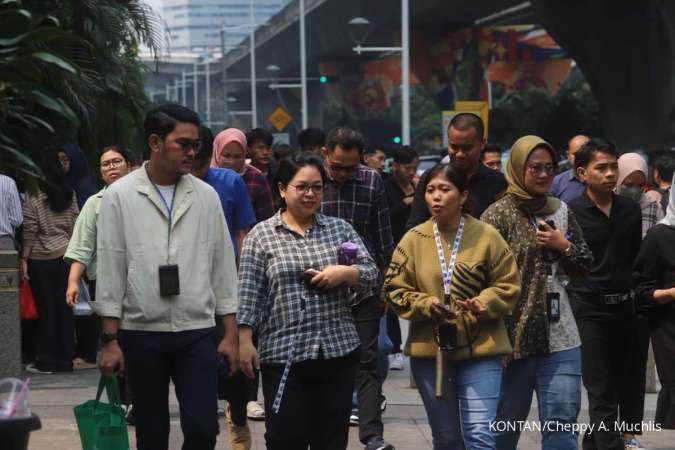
pixel 28 108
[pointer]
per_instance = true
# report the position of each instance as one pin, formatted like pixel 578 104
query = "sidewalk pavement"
pixel 52 397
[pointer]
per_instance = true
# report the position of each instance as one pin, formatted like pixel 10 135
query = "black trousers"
pixel 187 358
pixel 632 400
pixel 315 407
pixel 368 384
pixel 607 340
pixel 253 383
pixel 87 331
pixel 233 388
pixel 662 324
pixel 54 339
pixel 394 331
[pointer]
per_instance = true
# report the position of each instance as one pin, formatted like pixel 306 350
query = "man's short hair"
pixel 282 151
pixel 206 140
pixel 665 164
pixel 490 147
pixel 465 121
pixel 374 149
pixel 346 138
pixel 404 155
pixel 163 119
pixel 311 137
pixel 583 157
pixel 259 135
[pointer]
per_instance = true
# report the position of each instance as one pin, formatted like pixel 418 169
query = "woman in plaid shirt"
pixel 298 298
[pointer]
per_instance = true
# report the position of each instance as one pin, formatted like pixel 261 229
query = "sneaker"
pixel 239 435
pixel 396 361
pixel 32 368
pixel 632 444
pixel 254 411
pixel 377 443
pixel 383 405
pixel 354 418
pixel 131 419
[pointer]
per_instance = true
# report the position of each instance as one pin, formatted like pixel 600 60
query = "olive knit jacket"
pixel 485 269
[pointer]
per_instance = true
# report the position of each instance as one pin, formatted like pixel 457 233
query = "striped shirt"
pixel 11 215
pixel 272 291
pixel 46 233
pixel 362 202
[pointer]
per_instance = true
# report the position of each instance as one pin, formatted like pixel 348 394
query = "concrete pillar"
pixel 10 322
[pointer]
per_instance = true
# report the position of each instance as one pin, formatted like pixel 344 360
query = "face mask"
pixel 633 192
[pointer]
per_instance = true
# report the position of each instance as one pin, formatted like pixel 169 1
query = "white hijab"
pixel 670 210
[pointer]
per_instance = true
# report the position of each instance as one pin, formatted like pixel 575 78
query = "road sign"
pixel 280 118
pixel 281 138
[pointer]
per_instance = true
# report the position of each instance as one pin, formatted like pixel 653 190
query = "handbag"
pixel 27 301
pixel 102 426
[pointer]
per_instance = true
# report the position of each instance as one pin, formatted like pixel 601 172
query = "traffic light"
pixel 397 139
pixel 323 79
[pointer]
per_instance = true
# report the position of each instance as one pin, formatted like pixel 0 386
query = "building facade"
pixel 194 25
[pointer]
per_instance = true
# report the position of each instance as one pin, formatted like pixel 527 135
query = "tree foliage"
pixel 88 63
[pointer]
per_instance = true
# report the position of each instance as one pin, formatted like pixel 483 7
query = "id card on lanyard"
pixel 447 270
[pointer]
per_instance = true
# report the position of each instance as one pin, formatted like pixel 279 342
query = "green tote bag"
pixel 102 426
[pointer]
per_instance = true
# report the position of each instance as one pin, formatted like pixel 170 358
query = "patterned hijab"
pixel 541 205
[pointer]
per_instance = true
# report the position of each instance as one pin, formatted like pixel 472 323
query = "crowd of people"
pixel 228 263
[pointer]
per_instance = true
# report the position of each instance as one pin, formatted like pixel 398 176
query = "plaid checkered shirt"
pixel 260 192
pixel 362 202
pixel 272 291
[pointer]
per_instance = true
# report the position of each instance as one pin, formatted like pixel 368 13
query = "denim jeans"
pixel 556 378
pixel 464 416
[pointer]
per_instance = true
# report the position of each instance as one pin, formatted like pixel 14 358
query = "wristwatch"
pixel 108 337
pixel 568 250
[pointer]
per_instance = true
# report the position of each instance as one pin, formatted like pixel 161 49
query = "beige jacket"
pixel 132 244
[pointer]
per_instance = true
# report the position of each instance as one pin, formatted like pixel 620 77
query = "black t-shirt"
pixel 654 267
pixel 398 210
pixel 614 241
pixel 484 188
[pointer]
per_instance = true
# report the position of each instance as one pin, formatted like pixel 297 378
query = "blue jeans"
pixel 556 378
pixel 464 416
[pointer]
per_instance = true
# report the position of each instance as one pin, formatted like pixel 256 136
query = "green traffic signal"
pixel 397 140
pixel 323 79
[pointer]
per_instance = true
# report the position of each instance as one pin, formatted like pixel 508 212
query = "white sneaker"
pixel 632 444
pixel 396 361
pixel 254 411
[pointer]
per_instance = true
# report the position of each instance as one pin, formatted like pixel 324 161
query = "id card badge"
pixel 553 306
pixel 169 282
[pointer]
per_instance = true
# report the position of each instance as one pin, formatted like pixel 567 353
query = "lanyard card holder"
pixel 169 282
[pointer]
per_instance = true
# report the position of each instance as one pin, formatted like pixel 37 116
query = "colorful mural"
pixel 454 67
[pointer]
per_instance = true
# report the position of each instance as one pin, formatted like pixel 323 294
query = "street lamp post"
pixel 303 66
pixel 360 26
pixel 254 93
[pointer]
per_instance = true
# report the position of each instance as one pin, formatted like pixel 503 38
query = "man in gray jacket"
pixel 166 268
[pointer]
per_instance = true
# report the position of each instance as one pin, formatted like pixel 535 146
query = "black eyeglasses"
pixel 305 188
pixel 187 144
pixel 342 169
